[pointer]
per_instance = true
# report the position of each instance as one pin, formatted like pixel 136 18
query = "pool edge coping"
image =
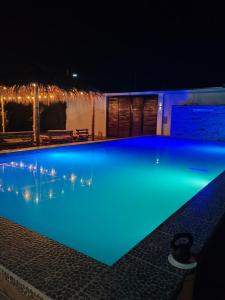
pixel 8 276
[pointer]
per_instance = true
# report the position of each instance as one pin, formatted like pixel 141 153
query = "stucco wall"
pixel 186 97
pixel 79 114
pixel 205 122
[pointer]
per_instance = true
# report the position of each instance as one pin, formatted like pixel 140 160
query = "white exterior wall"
pixel 189 97
pixel 79 114
pixel 160 114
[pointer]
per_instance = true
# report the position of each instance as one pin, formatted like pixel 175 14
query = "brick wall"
pixel 206 122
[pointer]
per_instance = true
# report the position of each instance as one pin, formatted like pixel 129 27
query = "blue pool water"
pixel 102 199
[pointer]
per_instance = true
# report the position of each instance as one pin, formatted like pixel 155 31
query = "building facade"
pixel 197 113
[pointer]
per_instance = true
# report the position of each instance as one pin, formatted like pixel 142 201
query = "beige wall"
pixel 180 98
pixel 79 114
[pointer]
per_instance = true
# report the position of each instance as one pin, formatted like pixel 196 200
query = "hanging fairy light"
pixel 25 94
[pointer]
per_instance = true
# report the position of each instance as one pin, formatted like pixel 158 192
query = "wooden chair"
pixel 16 138
pixel 58 136
pixel 82 135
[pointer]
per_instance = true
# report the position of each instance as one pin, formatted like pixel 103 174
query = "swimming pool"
pixel 103 198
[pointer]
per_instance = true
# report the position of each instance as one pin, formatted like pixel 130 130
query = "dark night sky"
pixel 114 47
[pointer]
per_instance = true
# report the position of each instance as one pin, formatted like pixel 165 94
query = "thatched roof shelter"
pixel 47 94
pixel 34 93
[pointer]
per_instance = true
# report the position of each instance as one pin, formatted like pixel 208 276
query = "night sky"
pixel 147 45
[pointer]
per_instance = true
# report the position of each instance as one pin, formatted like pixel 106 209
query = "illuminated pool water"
pixel 102 199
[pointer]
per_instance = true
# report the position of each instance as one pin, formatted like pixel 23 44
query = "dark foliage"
pixel 19 117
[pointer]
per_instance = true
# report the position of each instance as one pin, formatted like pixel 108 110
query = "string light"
pixel 46 93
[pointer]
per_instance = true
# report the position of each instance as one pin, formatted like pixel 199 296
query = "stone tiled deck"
pixel 40 268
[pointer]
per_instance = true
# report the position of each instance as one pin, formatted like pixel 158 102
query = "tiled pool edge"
pixel 52 146
pixel 142 273
pixel 21 285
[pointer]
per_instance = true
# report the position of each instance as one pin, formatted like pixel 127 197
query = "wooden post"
pixel 93 118
pixel 36 116
pixel 3 113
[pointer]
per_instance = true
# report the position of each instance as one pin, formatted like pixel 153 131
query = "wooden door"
pixel 113 117
pixel 137 112
pixel 132 116
pixel 150 115
pixel 124 116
